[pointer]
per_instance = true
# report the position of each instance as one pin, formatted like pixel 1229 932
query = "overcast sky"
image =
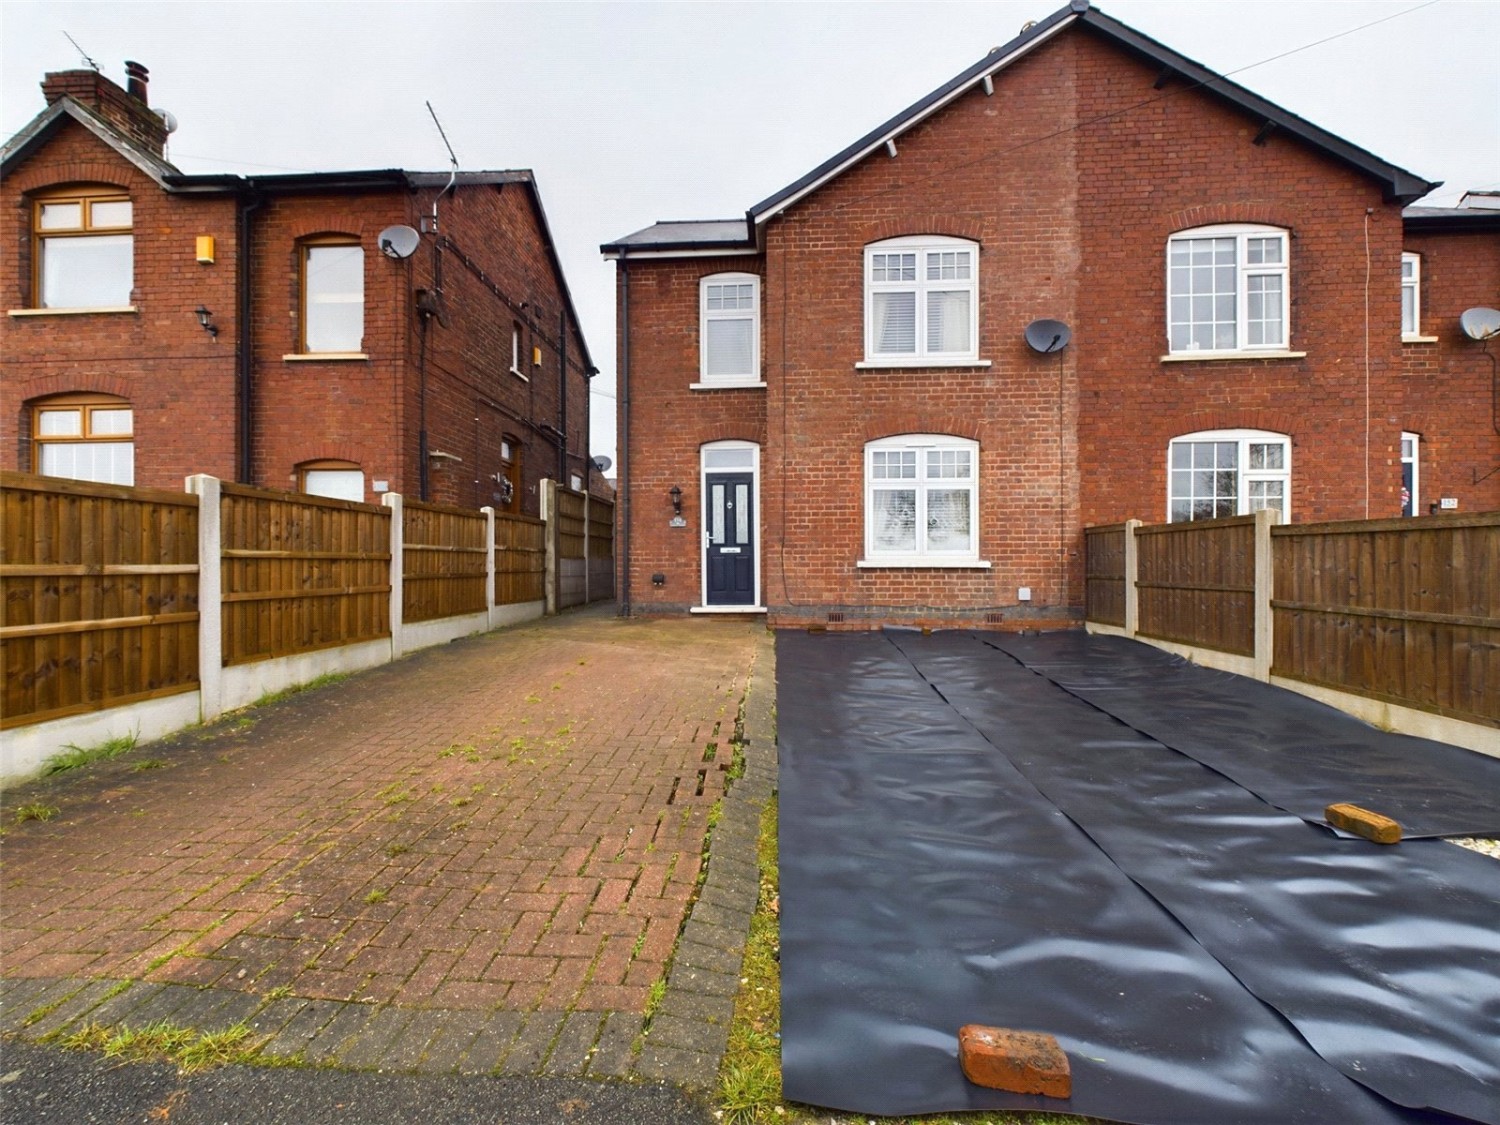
pixel 633 112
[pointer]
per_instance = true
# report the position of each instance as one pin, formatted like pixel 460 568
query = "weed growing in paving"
pixel 74 757
pixel 148 764
pixel 190 1050
pixel 35 810
pixel 376 897
pixel 297 689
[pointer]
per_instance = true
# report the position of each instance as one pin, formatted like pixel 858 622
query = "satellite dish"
pixel 602 463
pixel 1048 336
pixel 1480 323
pixel 398 242
pixel 168 120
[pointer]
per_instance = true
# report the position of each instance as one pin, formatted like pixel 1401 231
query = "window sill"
pixel 726 385
pixel 923 564
pixel 1419 340
pixel 727 609
pixel 111 309
pixel 326 357
pixel 1223 357
pixel 925 362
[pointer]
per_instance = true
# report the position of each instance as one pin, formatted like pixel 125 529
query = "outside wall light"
pixel 676 495
pixel 206 321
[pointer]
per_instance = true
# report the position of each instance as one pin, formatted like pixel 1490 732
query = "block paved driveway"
pixel 509 827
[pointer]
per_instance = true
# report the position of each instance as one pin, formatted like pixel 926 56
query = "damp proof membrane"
pixel 926 883
pixel 1296 753
pixel 1385 959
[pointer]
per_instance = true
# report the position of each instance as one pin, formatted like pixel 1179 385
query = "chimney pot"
pixel 136 78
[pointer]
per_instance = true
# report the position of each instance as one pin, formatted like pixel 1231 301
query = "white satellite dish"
pixel 1480 323
pixel 398 242
pixel 602 463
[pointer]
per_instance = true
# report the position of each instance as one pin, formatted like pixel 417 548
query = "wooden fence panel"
pixel 1196 583
pixel 520 559
pixel 100 595
pixel 301 573
pixel 601 550
pixel 1104 574
pixel 443 563
pixel 1406 611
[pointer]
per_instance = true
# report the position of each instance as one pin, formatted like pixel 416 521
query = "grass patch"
pixel 750 1079
pixel 395 794
pixel 297 689
pixel 76 757
pixel 376 897
pixel 148 764
pixel 35 810
pixel 191 1051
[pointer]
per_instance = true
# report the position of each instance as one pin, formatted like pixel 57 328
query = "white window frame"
pixel 923 248
pixel 731 456
pixel 1244 272
pixel 317 296
pixel 1411 285
pixel 1411 454
pixel 752 376
pixel 921 482
pixel 1245 504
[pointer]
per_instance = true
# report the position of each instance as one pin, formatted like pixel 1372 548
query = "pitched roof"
pixel 684 237
pixel 43 125
pixel 1399 185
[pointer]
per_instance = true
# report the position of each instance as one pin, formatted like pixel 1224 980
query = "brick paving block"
pixel 532 1043
pixel 721 948
pixel 697 1006
pixel 349 1022
pixel 688 1034
pixel 714 915
pixel 212 1010
pixel 704 980
pixel 121 1008
pixel 293 1037
pixel 692 1069
pixel 446 1051
pixel 614 1052
pixel 18 999
pixel 405 1052
pixel 623 998
pixel 365 1050
pixel 273 1015
pixel 493 1043
pixel 574 1046
pixel 57 1007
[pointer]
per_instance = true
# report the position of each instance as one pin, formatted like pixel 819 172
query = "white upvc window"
pixel 921 301
pixel 1411 473
pixel 1411 295
pixel 333 297
pixel 1218 473
pixel 922 500
pixel 729 328
pixel 1228 290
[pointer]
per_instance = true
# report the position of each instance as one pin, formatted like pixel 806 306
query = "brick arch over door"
pixel 731 431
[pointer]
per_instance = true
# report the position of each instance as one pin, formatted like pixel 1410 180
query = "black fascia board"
pixel 680 246
pixel 1400 186
pixel 1455 220
pixel 911 112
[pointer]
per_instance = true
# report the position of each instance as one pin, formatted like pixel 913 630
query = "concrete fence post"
pixel 392 500
pixel 210 596
pixel 1132 596
pixel 549 517
pixel 1265 587
pixel 489 565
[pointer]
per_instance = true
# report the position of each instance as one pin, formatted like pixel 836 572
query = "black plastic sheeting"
pixel 926 883
pixel 1296 753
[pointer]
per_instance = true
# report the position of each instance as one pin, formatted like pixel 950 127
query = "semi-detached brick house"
pixel 841 387
pixel 162 324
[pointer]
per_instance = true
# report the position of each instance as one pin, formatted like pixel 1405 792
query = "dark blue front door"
pixel 729 533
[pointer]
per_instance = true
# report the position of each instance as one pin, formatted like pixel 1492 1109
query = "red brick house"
pixel 343 333
pixel 830 411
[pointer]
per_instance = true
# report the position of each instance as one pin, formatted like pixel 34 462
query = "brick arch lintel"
pixel 954 226
pixel 48 386
pixel 1225 418
pixel 43 177
pixel 731 431
pixel 894 422
pixel 1270 212
pixel 340 451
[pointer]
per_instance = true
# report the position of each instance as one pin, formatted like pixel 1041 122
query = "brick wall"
pixel 179 380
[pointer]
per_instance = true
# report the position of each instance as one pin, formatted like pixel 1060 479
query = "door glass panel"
pixel 728 458
pixel 742 513
pixel 716 510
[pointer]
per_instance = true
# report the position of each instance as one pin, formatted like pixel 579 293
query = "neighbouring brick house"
pixel 343 333
pixel 840 383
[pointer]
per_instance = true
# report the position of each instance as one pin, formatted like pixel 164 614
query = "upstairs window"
pixel 1227 290
pixel 1221 473
pixel 85 251
pixel 729 328
pixel 1411 294
pixel 333 297
pixel 84 437
pixel 921 301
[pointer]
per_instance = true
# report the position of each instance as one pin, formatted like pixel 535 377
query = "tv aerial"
pixel 1047 336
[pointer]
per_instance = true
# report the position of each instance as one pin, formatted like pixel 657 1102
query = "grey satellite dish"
pixel 1048 336
pixel 602 463
pixel 398 242
pixel 1480 323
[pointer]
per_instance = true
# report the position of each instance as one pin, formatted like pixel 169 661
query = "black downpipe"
pixel 245 351
pixel 624 451
pixel 562 397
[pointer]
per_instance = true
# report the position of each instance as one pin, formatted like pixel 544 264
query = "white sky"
pixel 633 112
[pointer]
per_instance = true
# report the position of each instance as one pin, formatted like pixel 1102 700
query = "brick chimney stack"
pixel 126 110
